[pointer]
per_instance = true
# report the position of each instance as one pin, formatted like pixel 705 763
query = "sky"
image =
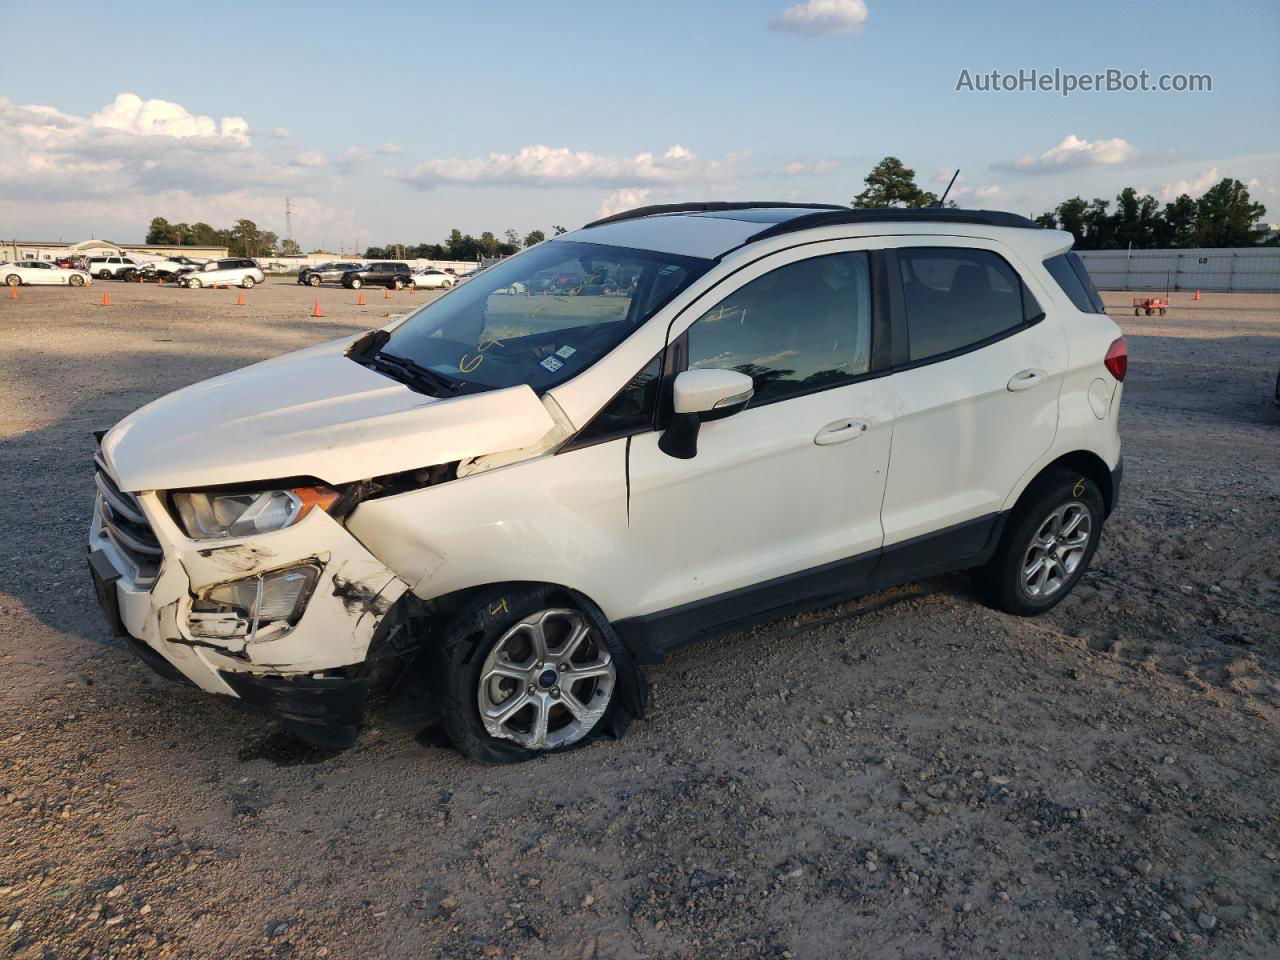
pixel 391 122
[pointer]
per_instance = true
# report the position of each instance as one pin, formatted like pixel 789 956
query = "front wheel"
pixel 1047 545
pixel 533 671
pixel 313 280
pixel 247 282
pixel 13 280
pixel 76 280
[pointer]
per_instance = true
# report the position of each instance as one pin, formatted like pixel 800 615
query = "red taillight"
pixel 1117 358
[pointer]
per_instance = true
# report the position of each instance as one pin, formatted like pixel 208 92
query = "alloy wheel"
pixel 547 682
pixel 1056 550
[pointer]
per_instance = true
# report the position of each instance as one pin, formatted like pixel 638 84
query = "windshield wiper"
pixel 415 375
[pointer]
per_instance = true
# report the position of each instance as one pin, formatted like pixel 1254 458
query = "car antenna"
pixel 943 199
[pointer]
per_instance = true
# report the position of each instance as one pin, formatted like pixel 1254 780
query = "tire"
pixel 356 283
pixel 397 283
pixel 499 621
pixel 75 280
pixel 13 280
pixel 193 284
pixel 104 274
pixel 1011 580
pixel 313 280
pixel 248 283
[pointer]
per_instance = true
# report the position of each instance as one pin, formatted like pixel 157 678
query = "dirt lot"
pixel 912 775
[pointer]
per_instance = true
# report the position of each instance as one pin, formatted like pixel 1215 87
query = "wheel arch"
pixel 1086 462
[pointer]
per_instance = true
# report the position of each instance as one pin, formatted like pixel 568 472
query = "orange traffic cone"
pixel 13 293
pixel 316 311
pixel 1197 296
pixel 106 299
pixel 360 299
pixel 240 299
pixel 386 294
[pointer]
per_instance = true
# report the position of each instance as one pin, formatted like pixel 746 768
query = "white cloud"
pixel 129 113
pixel 309 158
pixel 798 168
pixel 280 133
pixel 543 166
pixel 1192 186
pixel 112 171
pixel 389 149
pixel 1072 153
pixel 619 200
pixel 820 18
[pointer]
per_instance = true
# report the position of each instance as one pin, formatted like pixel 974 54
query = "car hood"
pixel 314 413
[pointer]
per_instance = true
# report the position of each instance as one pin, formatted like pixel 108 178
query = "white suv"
pixel 107 268
pixel 690 419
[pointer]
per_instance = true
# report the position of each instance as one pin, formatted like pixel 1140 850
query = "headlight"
pixel 209 516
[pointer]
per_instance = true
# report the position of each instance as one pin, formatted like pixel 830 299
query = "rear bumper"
pixel 1116 476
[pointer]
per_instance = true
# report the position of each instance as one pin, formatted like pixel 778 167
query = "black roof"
pixel 822 215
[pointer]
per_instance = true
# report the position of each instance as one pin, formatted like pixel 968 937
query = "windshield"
pixel 543 316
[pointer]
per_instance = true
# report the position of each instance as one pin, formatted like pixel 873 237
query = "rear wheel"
pixel 398 283
pixel 356 283
pixel 247 282
pixel 532 671
pixel 104 274
pixel 1047 545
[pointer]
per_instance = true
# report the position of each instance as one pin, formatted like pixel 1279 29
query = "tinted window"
pixel 1062 271
pixel 956 298
pixel 796 329
pixel 630 411
pixel 1086 281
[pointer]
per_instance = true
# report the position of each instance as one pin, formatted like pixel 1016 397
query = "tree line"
pixel 242 240
pixel 463 246
pixel 1223 216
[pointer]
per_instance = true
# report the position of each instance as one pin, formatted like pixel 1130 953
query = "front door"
pixel 787 493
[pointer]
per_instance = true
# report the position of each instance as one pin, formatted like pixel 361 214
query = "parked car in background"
pixel 466 276
pixel 71 263
pixel 20 272
pixel 429 278
pixel 327 272
pixel 233 271
pixel 170 268
pixel 537 495
pixel 111 268
pixel 391 273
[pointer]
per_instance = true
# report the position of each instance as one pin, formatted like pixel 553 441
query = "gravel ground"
pixel 911 775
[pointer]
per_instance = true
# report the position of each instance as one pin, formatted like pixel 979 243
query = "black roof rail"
pixel 707 206
pixel 840 217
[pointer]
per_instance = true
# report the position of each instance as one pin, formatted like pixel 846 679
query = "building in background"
pixel 51 250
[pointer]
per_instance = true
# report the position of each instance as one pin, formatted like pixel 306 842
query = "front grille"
pixel 126 526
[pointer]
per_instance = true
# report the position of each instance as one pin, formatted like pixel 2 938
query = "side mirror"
pixel 700 395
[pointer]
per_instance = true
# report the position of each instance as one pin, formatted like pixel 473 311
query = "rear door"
pixel 976 394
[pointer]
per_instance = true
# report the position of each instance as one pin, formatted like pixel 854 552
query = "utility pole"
pixel 288 222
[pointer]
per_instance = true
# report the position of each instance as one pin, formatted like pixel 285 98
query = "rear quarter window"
pixel 1071 275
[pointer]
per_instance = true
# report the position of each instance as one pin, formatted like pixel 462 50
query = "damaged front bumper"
pixel 311 670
